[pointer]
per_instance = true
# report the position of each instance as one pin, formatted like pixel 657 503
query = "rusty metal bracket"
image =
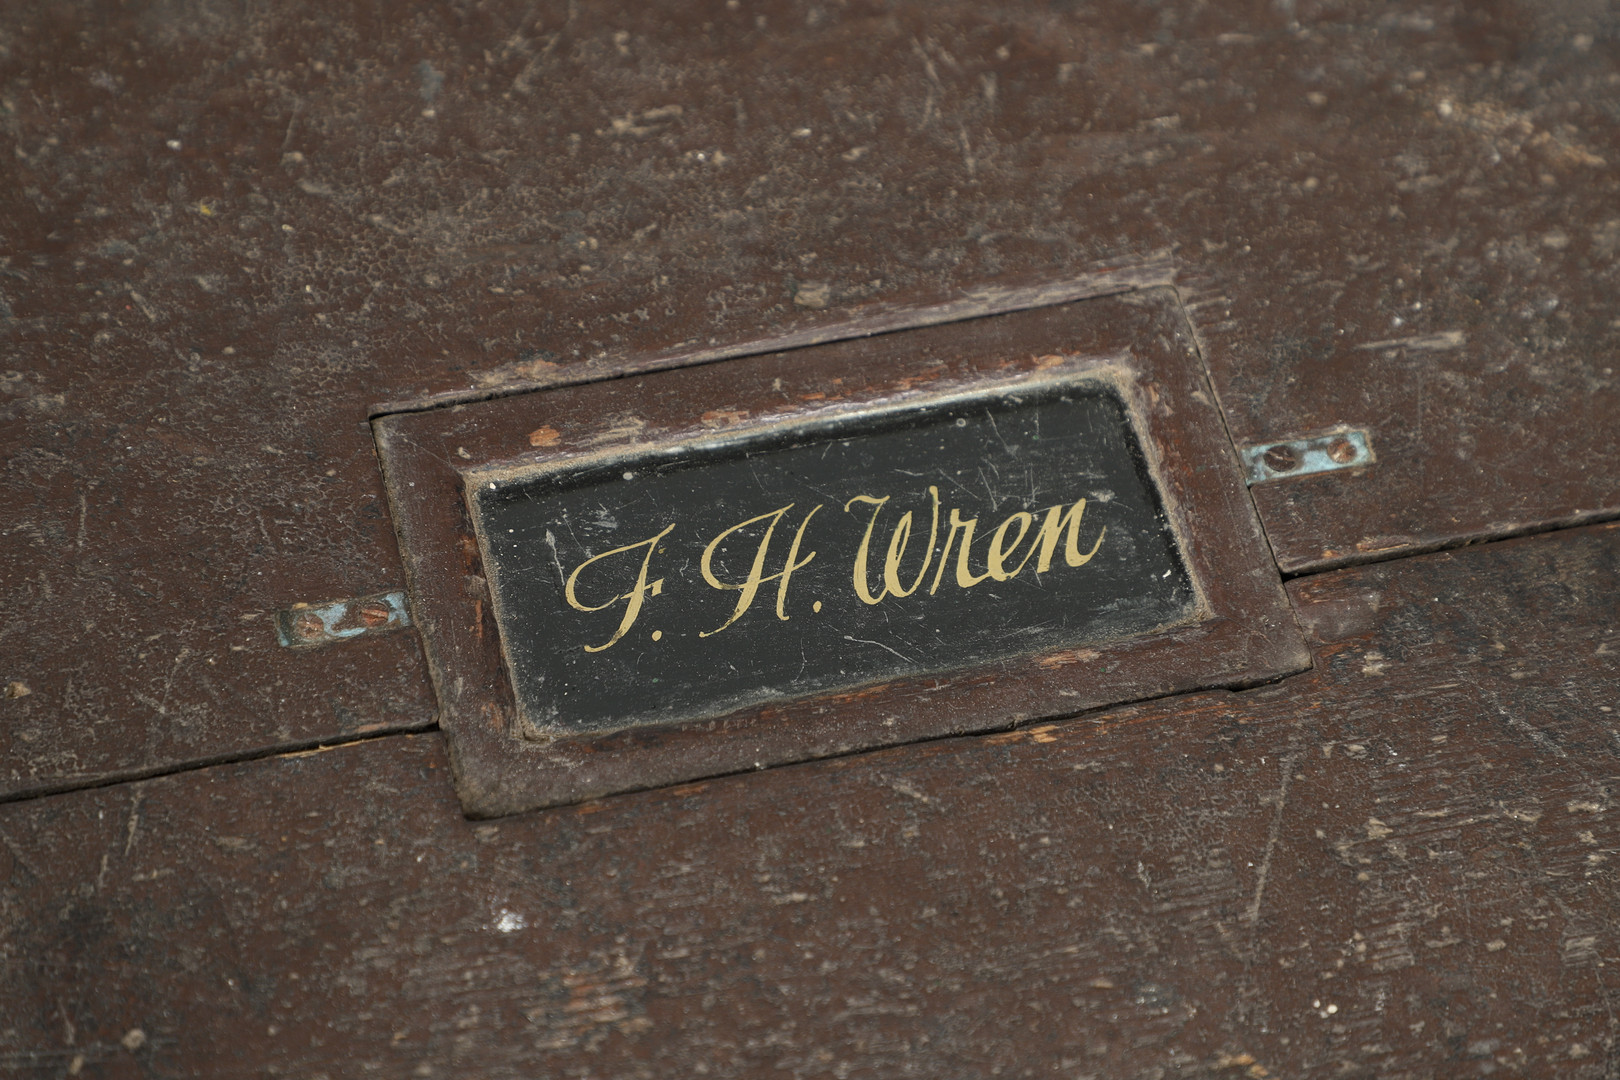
pixel 1347 448
pixel 304 626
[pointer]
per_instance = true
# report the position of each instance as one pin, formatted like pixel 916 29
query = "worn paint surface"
pixel 1400 864
pixel 230 231
pixel 231 234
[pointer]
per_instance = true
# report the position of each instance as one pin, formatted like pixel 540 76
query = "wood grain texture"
pixel 1398 865
pixel 231 231
pixel 1438 277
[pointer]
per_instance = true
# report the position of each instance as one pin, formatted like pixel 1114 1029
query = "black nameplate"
pixel 689 582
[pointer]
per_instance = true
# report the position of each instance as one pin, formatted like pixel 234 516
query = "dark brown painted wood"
pixel 229 232
pixel 230 235
pixel 1400 864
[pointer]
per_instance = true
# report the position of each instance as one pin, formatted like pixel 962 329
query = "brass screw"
pixel 375 615
pixel 309 625
pixel 1281 459
pixel 1343 451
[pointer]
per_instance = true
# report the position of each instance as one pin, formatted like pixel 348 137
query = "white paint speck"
pixel 510 922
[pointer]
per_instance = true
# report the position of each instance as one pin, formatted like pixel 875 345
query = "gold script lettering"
pixel 1047 538
pixel 637 594
pixel 964 577
pixel 861 588
pixel 996 562
pixel 899 540
pixel 793 563
pixel 1045 542
pixel 749 587
pixel 897 550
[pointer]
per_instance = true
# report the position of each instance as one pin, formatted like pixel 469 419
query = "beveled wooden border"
pixel 1139 341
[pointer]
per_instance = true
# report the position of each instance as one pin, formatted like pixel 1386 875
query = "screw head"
pixel 1281 459
pixel 374 615
pixel 1343 451
pixel 309 625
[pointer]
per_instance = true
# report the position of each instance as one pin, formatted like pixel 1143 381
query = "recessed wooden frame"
pixel 1240 632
